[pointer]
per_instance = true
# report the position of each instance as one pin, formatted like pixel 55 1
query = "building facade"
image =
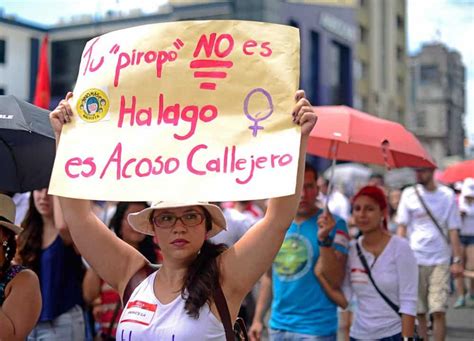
pixel 381 59
pixel 19 50
pixel 437 100
pixel 328 38
pixel 328 35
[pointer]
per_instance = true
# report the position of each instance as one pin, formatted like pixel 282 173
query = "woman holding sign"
pixel 182 300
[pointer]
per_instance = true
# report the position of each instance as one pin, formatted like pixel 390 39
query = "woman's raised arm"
pixel 114 260
pixel 244 263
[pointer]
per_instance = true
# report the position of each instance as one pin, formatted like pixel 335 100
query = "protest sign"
pixel 183 111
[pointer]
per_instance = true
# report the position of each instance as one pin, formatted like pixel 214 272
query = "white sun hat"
pixel 140 221
pixel 7 212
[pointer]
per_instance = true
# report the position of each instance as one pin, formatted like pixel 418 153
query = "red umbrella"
pixel 344 133
pixel 458 172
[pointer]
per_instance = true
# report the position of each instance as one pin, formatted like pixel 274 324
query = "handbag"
pixel 392 305
pixel 430 214
pixel 236 333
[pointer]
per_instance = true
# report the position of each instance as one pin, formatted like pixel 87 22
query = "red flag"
pixel 43 91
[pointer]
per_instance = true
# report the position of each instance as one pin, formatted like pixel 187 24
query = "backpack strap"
pixel 139 276
pixel 428 211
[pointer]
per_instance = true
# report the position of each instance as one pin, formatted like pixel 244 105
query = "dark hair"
pixel 9 249
pixel 377 176
pixel 146 246
pixel 308 167
pixel 392 210
pixel 202 277
pixel 377 195
pixel 30 240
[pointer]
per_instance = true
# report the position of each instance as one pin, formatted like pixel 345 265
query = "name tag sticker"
pixel 139 312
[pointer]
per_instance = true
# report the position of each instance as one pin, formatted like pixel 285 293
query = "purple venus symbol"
pixel 257 117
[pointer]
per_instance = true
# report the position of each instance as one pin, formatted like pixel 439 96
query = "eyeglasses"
pixel 168 220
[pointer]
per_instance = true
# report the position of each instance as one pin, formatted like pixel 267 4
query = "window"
pixel 365 104
pixel 421 119
pixel 314 94
pixel 429 74
pixel 293 23
pixel 363 34
pixel 400 22
pixel 364 70
pixel 2 91
pixel 400 53
pixel 340 74
pixel 400 85
pixel 3 48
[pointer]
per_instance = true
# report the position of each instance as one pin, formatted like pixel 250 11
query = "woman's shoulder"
pixel 21 273
pixel 22 278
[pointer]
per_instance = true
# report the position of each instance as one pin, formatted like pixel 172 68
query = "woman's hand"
pixel 61 115
pixel 303 113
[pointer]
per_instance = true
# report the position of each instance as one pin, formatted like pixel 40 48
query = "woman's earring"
pixel 6 248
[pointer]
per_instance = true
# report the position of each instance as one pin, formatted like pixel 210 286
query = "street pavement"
pixel 460 324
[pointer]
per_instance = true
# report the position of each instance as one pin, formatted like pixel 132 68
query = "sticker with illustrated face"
pixel 93 105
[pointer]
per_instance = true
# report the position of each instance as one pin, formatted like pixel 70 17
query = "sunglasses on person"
pixel 168 220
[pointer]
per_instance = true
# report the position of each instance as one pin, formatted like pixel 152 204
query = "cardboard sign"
pixel 183 111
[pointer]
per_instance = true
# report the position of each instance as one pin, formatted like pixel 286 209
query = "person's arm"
pixel 457 267
pixel 334 293
pixel 60 223
pixel 454 223
pixel 407 271
pixel 114 260
pixel 332 260
pixel 403 214
pixel 21 309
pixel 244 263
pixel 408 325
pixel 261 307
pixel 402 230
pixel 90 286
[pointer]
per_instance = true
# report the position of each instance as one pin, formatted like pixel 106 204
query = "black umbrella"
pixel 27 146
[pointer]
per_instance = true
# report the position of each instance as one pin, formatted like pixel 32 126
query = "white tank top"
pixel 145 318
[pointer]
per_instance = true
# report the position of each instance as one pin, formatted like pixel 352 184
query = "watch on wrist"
pixel 408 338
pixel 456 260
pixel 326 242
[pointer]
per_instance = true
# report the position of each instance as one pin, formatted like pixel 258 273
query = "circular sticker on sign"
pixel 93 105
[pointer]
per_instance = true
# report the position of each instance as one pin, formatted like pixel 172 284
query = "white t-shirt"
pixel 467 227
pixel 427 243
pixel 396 274
pixel 338 204
pixel 237 224
pixel 145 318
pixel 22 203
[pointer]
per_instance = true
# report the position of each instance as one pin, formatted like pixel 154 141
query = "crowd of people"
pixel 382 262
